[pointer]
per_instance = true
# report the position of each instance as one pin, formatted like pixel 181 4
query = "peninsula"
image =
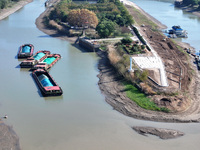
pixel 182 108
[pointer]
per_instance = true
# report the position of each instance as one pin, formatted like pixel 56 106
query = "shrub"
pixel 126 40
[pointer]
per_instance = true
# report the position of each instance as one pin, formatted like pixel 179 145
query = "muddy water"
pixel 78 120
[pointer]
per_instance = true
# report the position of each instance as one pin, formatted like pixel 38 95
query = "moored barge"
pixel 25 51
pixel 48 62
pixel 36 58
pixel 46 83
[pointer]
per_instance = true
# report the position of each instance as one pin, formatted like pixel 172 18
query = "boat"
pixel 25 51
pixel 36 58
pixel 177 31
pixel 48 62
pixel 46 83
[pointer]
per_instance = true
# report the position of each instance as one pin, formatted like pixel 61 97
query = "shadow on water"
pixel 38 90
pixel 83 50
pixel 44 36
pixel 45 97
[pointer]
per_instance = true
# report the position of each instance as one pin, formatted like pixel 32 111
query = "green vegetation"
pixel 141 99
pixel 7 3
pixel 143 19
pixel 126 40
pixel 105 28
pixel 191 2
pixel 131 47
pixel 109 13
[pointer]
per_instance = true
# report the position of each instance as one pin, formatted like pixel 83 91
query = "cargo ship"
pixel 46 83
pixel 36 58
pixel 25 51
pixel 48 62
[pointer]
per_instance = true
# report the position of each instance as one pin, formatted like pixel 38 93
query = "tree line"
pixel 6 3
pixel 105 15
pixel 191 2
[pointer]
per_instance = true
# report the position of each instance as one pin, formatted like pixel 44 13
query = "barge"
pixel 46 83
pixel 25 51
pixel 36 58
pixel 48 62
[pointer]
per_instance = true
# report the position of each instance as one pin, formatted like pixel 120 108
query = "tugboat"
pixel 177 31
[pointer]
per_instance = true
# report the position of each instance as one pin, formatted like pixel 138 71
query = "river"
pixel 80 119
pixel 165 12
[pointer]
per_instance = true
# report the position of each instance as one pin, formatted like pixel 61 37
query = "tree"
pixel 105 28
pixel 126 40
pixel 3 4
pixel 194 2
pixel 190 2
pixel 82 17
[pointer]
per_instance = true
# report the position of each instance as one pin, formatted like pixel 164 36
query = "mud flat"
pixel 8 138
pixel 162 133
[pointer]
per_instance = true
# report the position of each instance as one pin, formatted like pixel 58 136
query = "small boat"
pixel 25 51
pixel 36 58
pixel 46 83
pixel 48 62
pixel 177 31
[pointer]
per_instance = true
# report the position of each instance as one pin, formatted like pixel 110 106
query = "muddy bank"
pixel 113 89
pixel 8 11
pixel 162 133
pixel 40 25
pixel 8 138
pixel 110 83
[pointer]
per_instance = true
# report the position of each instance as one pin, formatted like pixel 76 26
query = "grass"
pixel 143 19
pixel 141 99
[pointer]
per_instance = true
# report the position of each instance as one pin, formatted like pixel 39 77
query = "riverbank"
pixel 8 11
pixel 8 138
pixel 51 32
pixel 113 89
